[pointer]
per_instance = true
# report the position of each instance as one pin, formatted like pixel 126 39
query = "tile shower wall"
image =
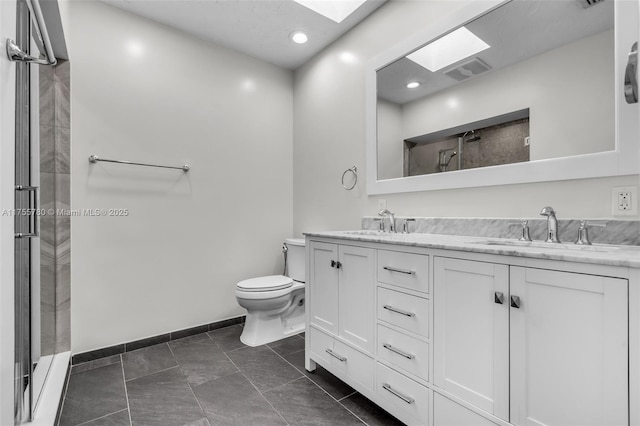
pixel 55 248
pixel 500 144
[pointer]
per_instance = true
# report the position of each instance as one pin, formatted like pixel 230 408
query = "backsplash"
pixel 625 232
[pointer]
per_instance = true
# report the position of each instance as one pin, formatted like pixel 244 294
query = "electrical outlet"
pixel 624 200
pixel 527 141
pixel 382 204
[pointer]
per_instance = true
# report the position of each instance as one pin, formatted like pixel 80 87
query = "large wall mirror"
pixel 505 92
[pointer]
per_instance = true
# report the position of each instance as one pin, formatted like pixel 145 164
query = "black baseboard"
pixel 154 340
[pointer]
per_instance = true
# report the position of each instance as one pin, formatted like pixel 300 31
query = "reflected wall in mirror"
pixel 541 86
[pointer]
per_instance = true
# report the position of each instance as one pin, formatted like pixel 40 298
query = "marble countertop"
pixel 602 254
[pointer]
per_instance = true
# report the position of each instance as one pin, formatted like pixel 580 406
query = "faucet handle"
pixel 524 236
pixel 380 224
pixel 405 225
pixel 547 211
pixel 583 232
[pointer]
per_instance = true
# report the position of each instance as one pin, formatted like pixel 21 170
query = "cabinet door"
pixel 357 289
pixel 471 332
pixel 323 301
pixel 569 346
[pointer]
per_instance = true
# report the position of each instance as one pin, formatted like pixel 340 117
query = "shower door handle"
pixel 33 232
pixel 631 76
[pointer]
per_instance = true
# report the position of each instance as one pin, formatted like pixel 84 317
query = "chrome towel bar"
pixel 95 159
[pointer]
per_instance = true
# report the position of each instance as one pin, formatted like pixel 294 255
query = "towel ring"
pixel 353 170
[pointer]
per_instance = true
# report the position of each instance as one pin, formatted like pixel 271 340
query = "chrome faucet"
pixel 552 224
pixel 392 219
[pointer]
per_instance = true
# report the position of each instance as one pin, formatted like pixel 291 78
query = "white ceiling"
pixel 259 28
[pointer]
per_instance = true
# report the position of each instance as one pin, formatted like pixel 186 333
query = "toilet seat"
pixel 268 283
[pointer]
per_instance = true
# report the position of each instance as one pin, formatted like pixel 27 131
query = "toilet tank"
pixel 295 259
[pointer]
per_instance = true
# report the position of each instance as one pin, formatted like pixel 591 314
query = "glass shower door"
pixel 25 227
pixel 34 293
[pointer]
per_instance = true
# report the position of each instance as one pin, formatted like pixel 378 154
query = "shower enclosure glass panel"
pixel 34 292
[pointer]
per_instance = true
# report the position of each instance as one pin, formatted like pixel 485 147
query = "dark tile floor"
pixel 213 379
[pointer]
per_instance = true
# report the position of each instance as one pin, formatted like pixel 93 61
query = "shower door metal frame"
pixel 23 392
pixel 26 227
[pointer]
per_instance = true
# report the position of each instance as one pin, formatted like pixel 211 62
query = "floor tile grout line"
pixel 64 394
pixel 311 379
pixel 102 417
pixel 339 401
pixel 354 414
pixel 155 372
pixel 255 387
pixel 232 350
pixel 284 384
pixel 126 392
pixel 189 385
pixel 347 396
pixel 322 389
pixel 265 399
pixel 304 376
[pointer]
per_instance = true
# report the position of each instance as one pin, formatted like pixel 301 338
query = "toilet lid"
pixel 269 283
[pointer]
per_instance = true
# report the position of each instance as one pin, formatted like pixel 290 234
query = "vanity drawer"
pixel 319 342
pixel 404 310
pixel 401 396
pixel 341 359
pixel 405 352
pixel 406 270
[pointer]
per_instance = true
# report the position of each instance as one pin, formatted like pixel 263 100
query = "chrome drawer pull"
pixel 335 355
pixel 402 271
pixel 406 399
pixel 398 351
pixel 399 311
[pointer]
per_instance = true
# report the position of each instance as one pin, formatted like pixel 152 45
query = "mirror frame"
pixel 623 160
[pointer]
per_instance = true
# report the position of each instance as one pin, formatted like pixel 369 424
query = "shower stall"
pixel 41 250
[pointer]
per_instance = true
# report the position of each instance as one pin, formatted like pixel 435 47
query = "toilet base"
pixel 260 328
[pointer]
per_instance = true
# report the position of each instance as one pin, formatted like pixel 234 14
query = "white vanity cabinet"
pixel 341 300
pixel 569 348
pixel 402 334
pixel 444 337
pixel 471 332
pixel 340 307
pixel 551 345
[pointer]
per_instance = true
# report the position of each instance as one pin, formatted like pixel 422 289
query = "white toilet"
pixel 275 303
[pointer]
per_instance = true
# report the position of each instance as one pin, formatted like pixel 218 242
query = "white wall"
pixel 569 91
pixel 142 91
pixel 7 182
pixel 329 136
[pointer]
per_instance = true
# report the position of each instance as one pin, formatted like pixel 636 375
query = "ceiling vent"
pixel 588 3
pixel 471 68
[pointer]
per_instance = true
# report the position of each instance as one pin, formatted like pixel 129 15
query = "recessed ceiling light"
pixel 299 37
pixel 448 50
pixel 413 85
pixel 336 10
